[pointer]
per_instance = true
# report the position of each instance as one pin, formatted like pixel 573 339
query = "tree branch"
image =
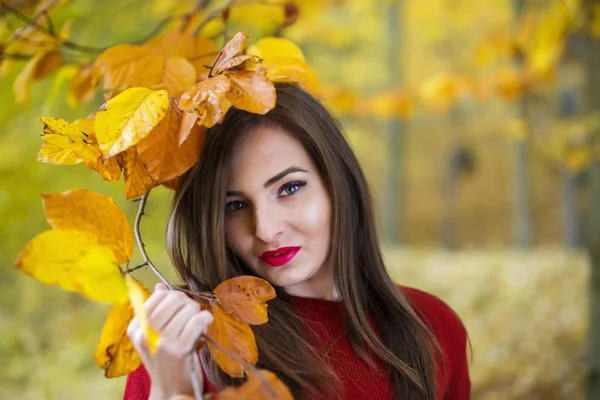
pixel 138 238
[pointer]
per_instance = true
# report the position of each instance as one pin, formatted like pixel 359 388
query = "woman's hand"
pixel 179 321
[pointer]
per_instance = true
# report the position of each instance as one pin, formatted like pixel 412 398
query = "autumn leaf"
pixel 199 51
pixel 76 262
pixel 235 61
pixel 82 87
pixel 271 48
pixel 187 125
pixel 129 117
pixel 43 64
pixel 292 70
pixel 230 50
pixel 244 297
pixel 251 91
pixel 179 75
pixel 127 65
pixel 261 384
pixel 209 99
pixel 138 294
pixel 235 336
pixel 92 213
pixel 65 143
pixel 137 180
pixel 115 352
pixel 109 169
pixel 160 152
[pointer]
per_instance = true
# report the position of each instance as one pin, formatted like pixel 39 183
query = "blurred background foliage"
pixel 468 120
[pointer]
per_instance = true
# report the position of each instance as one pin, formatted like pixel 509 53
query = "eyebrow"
pixel 271 181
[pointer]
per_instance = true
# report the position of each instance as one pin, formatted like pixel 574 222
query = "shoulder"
pixel 443 321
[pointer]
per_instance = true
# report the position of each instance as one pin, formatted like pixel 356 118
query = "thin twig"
pixel 129 270
pixel 208 297
pixel 245 363
pixel 138 238
pixel 15 56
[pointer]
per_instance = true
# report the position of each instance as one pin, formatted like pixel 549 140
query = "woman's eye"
pixel 235 205
pixel 290 188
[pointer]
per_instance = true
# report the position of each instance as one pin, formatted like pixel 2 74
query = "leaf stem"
pixel 138 238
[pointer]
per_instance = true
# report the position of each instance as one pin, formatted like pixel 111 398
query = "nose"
pixel 268 224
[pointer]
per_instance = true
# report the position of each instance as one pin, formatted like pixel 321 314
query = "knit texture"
pixel 323 322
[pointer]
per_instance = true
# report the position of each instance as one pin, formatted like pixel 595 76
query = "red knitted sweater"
pixel 325 324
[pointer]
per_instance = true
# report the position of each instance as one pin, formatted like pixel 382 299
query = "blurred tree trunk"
pixel 522 226
pixel 393 205
pixel 592 97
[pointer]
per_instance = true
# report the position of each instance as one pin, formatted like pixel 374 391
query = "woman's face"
pixel 278 212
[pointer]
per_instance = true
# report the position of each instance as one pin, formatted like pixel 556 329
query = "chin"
pixel 284 276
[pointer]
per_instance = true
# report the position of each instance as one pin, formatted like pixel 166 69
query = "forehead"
pixel 265 151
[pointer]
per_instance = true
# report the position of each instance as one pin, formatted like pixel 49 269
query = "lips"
pixel 280 256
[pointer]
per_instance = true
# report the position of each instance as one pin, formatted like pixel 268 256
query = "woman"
pixel 282 196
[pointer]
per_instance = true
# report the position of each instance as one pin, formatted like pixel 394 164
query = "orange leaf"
pixel 115 352
pixel 188 122
pixel 251 91
pixel 109 168
pixel 126 65
pixel 43 64
pixel 244 297
pixel 235 336
pixel 93 213
pixel 262 384
pixel 209 99
pixel 160 152
pixel 137 180
pixel 179 75
pixel 230 50
pixel 82 87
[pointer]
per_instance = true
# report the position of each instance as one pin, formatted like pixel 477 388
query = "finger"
pixel 196 326
pixel 140 344
pixel 155 299
pixel 161 286
pixel 175 326
pixel 166 310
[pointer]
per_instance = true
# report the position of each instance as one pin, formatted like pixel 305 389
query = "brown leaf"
pixel 93 213
pixel 209 99
pixel 164 159
pixel 188 121
pixel 251 91
pixel 230 50
pixel 244 297
pixel 261 384
pixel 235 336
pixel 234 62
pixel 137 180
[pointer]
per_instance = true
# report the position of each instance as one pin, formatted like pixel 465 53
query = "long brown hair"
pixel 198 249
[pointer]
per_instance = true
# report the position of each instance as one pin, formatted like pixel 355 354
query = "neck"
pixel 319 286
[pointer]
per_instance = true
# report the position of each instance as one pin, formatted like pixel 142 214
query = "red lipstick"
pixel 280 256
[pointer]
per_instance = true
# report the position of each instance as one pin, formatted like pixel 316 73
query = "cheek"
pixel 315 219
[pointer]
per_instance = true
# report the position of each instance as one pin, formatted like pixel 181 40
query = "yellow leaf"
pixel 266 17
pixel 115 352
pixel 40 66
pixel 163 157
pixel 292 70
pixel 76 262
pixel 208 99
pixel 126 65
pixel 65 143
pixel 439 91
pixel 137 180
pixel 508 84
pixel 129 117
pixel 93 213
pixel 271 47
pixel 230 50
pixel 138 294
pixel 251 91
